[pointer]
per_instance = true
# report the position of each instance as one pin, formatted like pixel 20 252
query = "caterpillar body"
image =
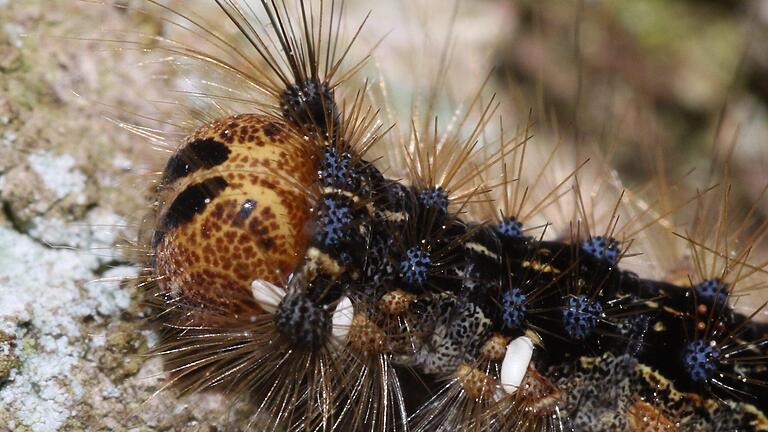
pixel 289 269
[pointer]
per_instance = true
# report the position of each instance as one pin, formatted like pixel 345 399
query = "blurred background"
pixel 688 76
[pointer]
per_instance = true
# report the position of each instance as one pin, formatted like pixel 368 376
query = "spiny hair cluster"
pixel 290 269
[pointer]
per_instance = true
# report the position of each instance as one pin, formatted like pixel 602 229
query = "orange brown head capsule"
pixel 233 208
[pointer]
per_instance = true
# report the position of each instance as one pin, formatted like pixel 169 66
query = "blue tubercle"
pixel 513 302
pixel 510 228
pixel 713 290
pixel 335 168
pixel 334 220
pixel 415 266
pixel 434 197
pixel 602 248
pixel 580 316
pixel 700 360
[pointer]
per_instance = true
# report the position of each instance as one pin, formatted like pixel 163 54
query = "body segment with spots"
pixel 233 208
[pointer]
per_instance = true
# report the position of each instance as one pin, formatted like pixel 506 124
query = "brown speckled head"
pixel 234 204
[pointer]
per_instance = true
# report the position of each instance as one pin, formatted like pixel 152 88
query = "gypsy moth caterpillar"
pixel 453 267
pixel 334 226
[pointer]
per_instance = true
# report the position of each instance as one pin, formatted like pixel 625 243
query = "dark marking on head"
pixel 245 211
pixel 271 130
pixel 199 154
pixel 188 203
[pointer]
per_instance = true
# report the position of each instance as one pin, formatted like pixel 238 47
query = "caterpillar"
pixel 308 279
pixel 291 269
